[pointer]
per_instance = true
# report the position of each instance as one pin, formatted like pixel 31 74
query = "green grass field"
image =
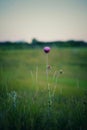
pixel 25 101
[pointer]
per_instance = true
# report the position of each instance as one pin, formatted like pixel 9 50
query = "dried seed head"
pixel 48 67
pixel 61 71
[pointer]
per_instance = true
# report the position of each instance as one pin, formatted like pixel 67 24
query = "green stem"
pixel 47 75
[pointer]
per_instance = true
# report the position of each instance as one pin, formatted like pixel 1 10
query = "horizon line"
pixel 43 40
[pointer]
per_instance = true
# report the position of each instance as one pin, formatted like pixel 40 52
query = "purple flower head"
pixel 46 49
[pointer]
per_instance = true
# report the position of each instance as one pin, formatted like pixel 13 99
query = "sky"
pixel 44 20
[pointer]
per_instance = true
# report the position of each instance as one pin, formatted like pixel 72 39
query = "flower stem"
pixel 47 68
pixel 48 85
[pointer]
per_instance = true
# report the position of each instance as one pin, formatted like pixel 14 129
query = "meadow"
pixel 26 102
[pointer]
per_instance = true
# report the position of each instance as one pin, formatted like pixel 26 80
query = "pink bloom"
pixel 47 49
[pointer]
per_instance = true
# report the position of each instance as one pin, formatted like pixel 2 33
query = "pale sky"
pixel 45 20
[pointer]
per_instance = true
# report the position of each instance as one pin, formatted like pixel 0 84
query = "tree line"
pixel 37 44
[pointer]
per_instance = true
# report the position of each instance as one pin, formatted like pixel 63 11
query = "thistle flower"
pixel 46 49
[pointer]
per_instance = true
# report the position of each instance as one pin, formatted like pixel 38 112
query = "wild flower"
pixel 55 77
pixel 51 91
pixel 46 49
pixel 13 97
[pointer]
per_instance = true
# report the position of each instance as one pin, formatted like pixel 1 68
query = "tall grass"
pixel 24 92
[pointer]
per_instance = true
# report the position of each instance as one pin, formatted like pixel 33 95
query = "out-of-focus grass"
pixel 19 85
